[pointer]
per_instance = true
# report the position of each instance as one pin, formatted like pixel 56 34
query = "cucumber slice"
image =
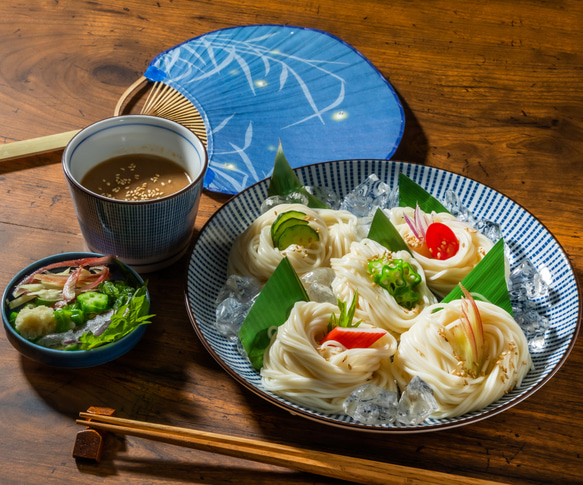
pixel 299 234
pixel 284 216
pixel 285 225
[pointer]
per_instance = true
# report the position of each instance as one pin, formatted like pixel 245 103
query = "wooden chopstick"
pixel 320 463
pixel 36 146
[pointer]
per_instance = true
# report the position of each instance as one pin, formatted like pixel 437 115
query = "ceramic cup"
pixel 147 235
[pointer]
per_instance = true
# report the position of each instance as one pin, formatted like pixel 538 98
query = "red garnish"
pixel 354 337
pixel 72 264
pixel 441 241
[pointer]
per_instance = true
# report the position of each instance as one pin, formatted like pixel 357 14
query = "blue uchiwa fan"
pixel 245 89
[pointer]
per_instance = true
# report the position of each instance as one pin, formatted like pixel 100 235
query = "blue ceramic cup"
pixel 147 235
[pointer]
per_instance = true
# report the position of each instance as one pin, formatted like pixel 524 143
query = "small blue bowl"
pixel 65 358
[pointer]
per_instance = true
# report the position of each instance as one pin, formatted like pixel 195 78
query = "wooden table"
pixel 491 90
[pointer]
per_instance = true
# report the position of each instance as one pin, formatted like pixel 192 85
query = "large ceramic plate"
pixel 293 84
pixel 524 234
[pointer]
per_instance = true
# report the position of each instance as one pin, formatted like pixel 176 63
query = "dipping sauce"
pixel 136 177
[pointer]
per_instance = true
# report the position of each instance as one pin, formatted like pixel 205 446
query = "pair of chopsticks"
pixel 320 463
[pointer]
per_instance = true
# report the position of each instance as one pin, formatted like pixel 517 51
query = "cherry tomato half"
pixel 441 241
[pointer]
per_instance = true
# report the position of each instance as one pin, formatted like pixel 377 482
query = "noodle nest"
pixel 253 252
pixel 296 367
pixel 444 275
pixel 376 304
pixel 424 351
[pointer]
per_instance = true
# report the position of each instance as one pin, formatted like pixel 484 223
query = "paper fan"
pixel 246 88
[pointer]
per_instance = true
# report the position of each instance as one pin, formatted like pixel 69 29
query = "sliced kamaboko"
pixel 256 253
pixel 375 303
pixel 443 270
pixel 432 350
pixel 321 376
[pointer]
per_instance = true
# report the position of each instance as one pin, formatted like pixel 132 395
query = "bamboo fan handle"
pixel 50 143
pixel 36 146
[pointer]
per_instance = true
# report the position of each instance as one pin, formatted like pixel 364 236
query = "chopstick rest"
pixel 320 463
pixel 89 441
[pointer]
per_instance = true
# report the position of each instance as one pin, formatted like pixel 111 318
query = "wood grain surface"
pixel 491 90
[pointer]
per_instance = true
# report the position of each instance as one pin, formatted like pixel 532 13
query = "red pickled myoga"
pixel 354 338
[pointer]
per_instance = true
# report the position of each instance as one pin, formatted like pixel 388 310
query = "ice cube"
pixel 367 197
pixel 230 316
pixel 416 403
pixel 243 288
pixel 318 284
pixel 321 293
pixel 371 404
pixel 526 276
pixel 274 200
pixel 490 229
pixel 537 343
pixel 457 209
pixel 326 195
pixel 534 325
pixel 323 276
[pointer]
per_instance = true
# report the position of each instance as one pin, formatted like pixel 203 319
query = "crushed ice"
pixel 370 195
pixel 234 301
pixel 373 405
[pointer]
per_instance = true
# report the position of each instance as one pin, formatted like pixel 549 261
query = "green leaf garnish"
pixel 412 194
pixel 271 309
pixel 487 281
pixel 125 319
pixel 284 181
pixel 385 233
pixel 346 316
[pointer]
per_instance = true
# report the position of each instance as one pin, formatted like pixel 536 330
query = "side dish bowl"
pixel 66 358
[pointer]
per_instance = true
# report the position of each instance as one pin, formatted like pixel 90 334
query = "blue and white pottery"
pixel 524 236
pixel 148 235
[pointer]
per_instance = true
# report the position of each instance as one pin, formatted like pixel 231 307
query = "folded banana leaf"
pixel 384 232
pixel 487 281
pixel 412 194
pixel 284 181
pixel 271 309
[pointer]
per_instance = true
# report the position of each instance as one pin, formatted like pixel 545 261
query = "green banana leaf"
pixel 384 232
pixel 271 309
pixel 411 194
pixel 487 281
pixel 284 181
